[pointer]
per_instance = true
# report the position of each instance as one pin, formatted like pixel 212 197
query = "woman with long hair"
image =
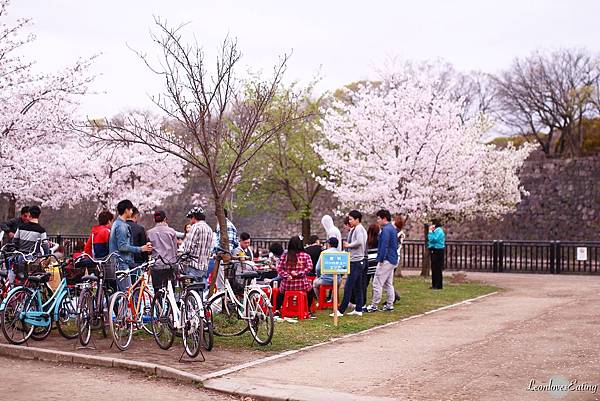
pixel 372 242
pixel 293 267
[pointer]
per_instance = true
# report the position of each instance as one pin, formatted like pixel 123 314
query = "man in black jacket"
pixel 314 251
pixel 11 226
pixel 138 236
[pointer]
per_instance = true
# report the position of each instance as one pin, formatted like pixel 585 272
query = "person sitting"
pixel 245 250
pixel 314 250
pixel 326 279
pixel 293 267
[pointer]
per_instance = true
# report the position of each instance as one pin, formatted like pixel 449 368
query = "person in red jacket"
pixel 97 243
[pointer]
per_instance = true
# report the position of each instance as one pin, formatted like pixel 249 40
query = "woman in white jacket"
pixel 332 230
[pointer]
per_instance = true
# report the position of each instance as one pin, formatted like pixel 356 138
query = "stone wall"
pixel 563 204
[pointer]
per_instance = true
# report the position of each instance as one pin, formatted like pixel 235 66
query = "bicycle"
pixel 188 314
pixel 24 310
pixel 93 300
pixel 232 316
pixel 129 308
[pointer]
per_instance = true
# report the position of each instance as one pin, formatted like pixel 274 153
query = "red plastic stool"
pixel 295 303
pixel 268 291
pixel 323 304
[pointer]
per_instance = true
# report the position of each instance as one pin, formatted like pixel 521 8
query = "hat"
pixel 333 241
pixel 159 216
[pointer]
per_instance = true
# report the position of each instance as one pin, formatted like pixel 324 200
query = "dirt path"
pixel 541 327
pixel 33 380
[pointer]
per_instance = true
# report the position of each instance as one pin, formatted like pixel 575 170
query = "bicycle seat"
pixel 3 274
pixel 248 275
pixel 40 278
pixel 89 277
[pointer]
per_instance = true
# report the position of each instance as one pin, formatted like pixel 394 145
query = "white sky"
pixel 344 40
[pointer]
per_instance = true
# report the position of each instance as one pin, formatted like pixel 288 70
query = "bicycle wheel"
pixel 208 333
pixel 193 324
pixel 102 312
pixel 226 318
pixel 14 329
pixel 261 318
pixel 143 312
pixel 120 320
pixel 67 316
pixel 162 319
pixel 84 317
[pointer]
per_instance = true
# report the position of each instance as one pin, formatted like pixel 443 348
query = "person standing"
pixel 97 243
pixel 120 241
pixel 31 236
pixel 164 244
pixel 11 226
pixel 199 244
pixel 357 246
pixel 138 236
pixel 436 240
pixel 387 259
pixel 314 251
pixel 331 230
pixel 231 233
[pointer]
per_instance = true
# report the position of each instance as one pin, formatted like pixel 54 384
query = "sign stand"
pixel 335 263
pixel 335 300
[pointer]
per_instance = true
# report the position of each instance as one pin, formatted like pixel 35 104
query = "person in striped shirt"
pixel 199 243
pixel 31 236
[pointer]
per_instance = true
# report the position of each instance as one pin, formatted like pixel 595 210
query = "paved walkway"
pixel 540 327
pixel 33 380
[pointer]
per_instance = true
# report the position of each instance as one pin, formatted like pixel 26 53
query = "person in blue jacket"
pixel 437 244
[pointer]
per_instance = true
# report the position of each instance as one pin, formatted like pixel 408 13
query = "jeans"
pixel 123 281
pixel 384 280
pixel 354 286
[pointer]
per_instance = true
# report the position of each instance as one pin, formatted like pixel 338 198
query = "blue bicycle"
pixel 25 314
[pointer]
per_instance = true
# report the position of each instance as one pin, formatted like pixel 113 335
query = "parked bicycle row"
pixel 84 302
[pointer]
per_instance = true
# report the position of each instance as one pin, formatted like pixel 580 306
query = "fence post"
pixel 500 256
pixel 495 256
pixel 59 239
pixel 553 257
pixel 558 257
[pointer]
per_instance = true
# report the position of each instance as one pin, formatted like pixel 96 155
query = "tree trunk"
pixel 426 262
pixel 222 222
pixel 305 228
pixel 12 206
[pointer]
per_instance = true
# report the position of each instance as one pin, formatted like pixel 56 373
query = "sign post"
pixel 335 263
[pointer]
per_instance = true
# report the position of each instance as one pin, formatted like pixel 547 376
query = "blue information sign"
pixel 335 262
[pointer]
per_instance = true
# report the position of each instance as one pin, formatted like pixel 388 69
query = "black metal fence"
pixel 492 256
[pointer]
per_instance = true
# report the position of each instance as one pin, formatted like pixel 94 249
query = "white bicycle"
pixel 233 315
pixel 169 316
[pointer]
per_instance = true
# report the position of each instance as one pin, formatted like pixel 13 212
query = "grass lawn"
pixel 416 298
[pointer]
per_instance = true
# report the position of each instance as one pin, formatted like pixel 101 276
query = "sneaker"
pixel 312 316
pixel 387 308
pixel 354 313
pixel 290 320
pixel 339 314
pixel 351 305
pixel 277 319
pixel 370 309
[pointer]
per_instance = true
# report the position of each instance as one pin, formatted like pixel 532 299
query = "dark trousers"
pixel 366 279
pixel 310 294
pixel 354 286
pixel 160 277
pixel 437 265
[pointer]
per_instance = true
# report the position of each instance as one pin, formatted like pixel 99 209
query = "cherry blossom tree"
pixel 35 114
pixel 405 145
pixel 217 122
